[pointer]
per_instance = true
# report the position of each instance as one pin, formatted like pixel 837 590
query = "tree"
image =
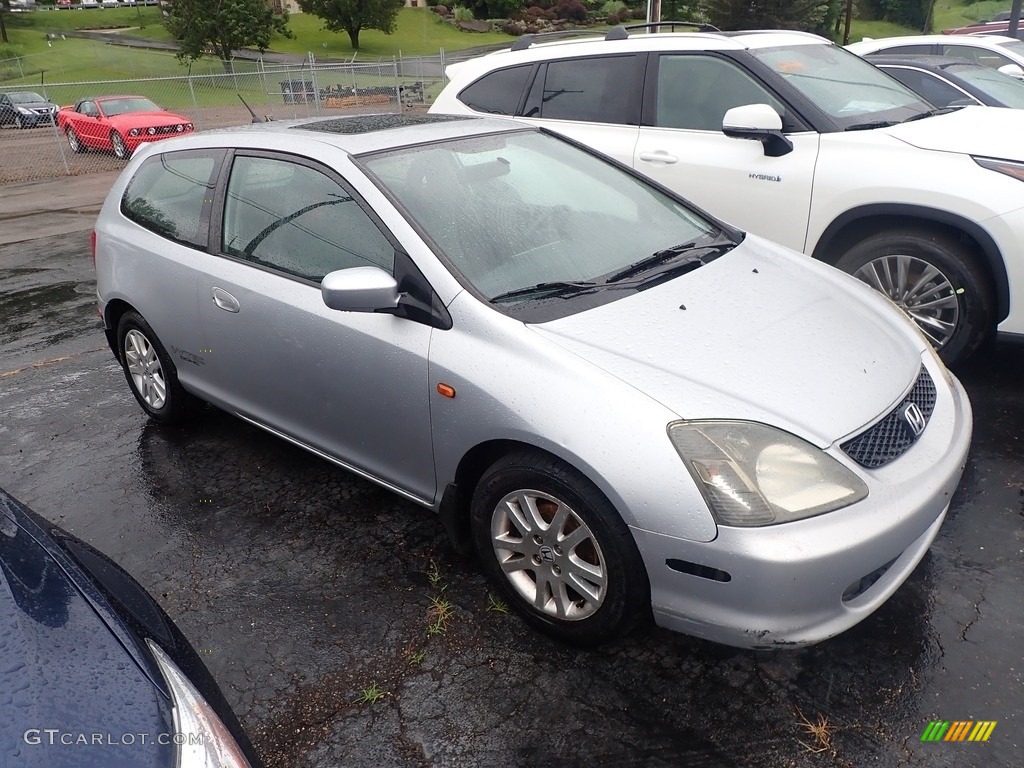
pixel 223 26
pixel 352 16
pixel 807 15
pixel 5 7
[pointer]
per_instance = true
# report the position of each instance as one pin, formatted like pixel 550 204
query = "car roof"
pixel 923 60
pixel 531 48
pixel 987 41
pixel 356 134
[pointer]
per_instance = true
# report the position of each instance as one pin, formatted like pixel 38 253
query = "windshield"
pixel 1006 89
pixel 513 211
pixel 854 93
pixel 113 107
pixel 28 97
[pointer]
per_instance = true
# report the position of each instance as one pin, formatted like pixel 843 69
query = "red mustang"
pixel 118 124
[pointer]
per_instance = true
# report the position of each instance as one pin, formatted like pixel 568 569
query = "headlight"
pixel 151 130
pixel 1016 170
pixel 194 719
pixel 134 132
pixel 24 111
pixel 753 475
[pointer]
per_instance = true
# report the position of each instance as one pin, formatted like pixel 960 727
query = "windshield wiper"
pixel 934 112
pixel 870 126
pixel 696 256
pixel 551 288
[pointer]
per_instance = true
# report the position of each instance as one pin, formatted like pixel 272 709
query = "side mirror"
pixel 360 289
pixel 758 122
pixel 1013 70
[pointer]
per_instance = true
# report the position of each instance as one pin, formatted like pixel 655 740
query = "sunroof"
pixel 366 123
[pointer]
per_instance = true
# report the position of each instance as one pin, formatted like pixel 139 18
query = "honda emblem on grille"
pixel 914 419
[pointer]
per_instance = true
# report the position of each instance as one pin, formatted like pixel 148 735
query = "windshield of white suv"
pixel 525 216
pixel 854 93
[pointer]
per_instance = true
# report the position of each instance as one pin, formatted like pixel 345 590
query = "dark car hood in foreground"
pixel 62 668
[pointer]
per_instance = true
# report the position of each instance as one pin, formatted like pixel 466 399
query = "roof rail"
pixel 525 41
pixel 672 26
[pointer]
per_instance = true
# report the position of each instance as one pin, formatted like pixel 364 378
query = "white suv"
pixel 843 162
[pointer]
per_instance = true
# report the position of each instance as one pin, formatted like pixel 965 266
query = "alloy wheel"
pixel 549 555
pixel 145 370
pixel 919 289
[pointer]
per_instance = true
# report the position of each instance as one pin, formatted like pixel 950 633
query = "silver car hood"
pixel 766 335
pixel 980 131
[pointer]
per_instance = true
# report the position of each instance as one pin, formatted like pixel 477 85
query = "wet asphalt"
pixel 345 631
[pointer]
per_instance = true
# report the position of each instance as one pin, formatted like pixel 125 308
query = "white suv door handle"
pixel 658 156
pixel 224 300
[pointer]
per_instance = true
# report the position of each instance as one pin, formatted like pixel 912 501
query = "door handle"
pixel 224 300
pixel 658 156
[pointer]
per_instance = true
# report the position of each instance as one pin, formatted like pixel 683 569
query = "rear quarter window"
pixel 497 93
pixel 170 195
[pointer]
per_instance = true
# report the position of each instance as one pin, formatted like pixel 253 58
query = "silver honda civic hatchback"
pixel 624 406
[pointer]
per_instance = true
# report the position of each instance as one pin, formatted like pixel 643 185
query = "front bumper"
pixel 134 142
pixel 803 582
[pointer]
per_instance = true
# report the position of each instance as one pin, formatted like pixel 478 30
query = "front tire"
pixel 151 374
pixel 118 146
pixel 935 279
pixel 557 550
pixel 74 142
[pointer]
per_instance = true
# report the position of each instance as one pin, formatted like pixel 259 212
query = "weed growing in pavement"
pixel 438 616
pixel 434 577
pixel 496 604
pixel 371 695
pixel 821 732
pixel 416 658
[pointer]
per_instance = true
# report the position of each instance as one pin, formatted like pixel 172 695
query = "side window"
pixel 695 92
pixel 497 93
pixel 907 50
pixel 929 87
pixel 88 108
pixel 597 90
pixel 294 218
pixel 168 193
pixel 981 56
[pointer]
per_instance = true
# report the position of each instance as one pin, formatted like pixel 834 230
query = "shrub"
pixel 461 13
pixel 573 10
pixel 613 8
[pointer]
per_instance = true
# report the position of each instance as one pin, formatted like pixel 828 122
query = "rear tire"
pixel 151 374
pixel 935 279
pixel 557 550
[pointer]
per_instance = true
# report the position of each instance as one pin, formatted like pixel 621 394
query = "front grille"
pixel 891 437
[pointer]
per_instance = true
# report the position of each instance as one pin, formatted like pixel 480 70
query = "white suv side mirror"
pixel 1013 70
pixel 758 122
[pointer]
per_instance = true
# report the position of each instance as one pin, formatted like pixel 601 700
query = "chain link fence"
pixel 212 98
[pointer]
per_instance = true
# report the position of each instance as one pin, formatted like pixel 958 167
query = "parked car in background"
pixel 948 82
pixel 25 109
pixel 790 136
pixel 994 51
pixel 619 401
pixel 88 4
pixel 63 5
pixel 118 124
pixel 109 4
pixel 94 672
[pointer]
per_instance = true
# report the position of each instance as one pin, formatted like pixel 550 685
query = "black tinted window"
pixel 908 50
pixel 929 87
pixel 499 92
pixel 597 90
pixel 695 92
pixel 294 218
pixel 168 193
